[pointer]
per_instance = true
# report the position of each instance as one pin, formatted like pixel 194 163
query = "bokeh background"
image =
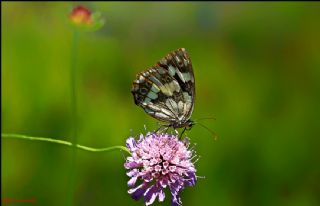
pixel 257 69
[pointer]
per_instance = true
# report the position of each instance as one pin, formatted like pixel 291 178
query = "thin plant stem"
pixel 74 113
pixel 62 142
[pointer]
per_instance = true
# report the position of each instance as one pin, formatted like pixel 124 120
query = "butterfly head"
pixel 187 124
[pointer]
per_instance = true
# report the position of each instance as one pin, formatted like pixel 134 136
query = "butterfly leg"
pixel 156 131
pixel 162 126
pixel 177 133
pixel 182 132
pixel 167 128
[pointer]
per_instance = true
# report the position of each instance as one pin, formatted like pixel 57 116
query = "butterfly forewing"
pixel 166 91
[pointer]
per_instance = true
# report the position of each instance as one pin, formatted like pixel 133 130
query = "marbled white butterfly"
pixel 166 91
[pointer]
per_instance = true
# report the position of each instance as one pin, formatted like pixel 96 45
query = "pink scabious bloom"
pixel 159 161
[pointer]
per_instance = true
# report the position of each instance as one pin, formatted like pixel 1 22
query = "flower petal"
pixel 191 179
pixel 132 165
pixel 161 195
pixel 137 193
pixel 176 201
pixel 175 189
pixel 132 172
pixel 150 195
pixel 131 144
pixel 164 182
pixel 132 181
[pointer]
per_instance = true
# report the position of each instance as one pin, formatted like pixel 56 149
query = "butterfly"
pixel 166 91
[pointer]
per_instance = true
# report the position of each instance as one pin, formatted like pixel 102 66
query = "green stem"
pixel 73 83
pixel 62 142
pixel 74 114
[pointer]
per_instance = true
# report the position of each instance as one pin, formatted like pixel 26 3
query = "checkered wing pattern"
pixel 166 91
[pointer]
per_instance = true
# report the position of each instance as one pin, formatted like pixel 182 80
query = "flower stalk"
pixel 74 113
pixel 62 142
pixel 82 19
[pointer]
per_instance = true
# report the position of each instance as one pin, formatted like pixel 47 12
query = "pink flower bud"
pixel 81 15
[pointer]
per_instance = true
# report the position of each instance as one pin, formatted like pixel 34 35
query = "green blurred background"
pixel 257 69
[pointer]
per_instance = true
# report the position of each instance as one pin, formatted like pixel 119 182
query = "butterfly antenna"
pixel 215 136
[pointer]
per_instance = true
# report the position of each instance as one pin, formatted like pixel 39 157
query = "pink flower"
pixel 159 161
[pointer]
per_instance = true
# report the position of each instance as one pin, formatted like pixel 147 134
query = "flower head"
pixel 159 161
pixel 83 17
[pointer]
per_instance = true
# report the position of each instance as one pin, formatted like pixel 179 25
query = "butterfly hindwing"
pixel 151 90
pixel 166 91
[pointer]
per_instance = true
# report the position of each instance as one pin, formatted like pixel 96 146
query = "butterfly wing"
pixel 166 91
pixel 179 66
